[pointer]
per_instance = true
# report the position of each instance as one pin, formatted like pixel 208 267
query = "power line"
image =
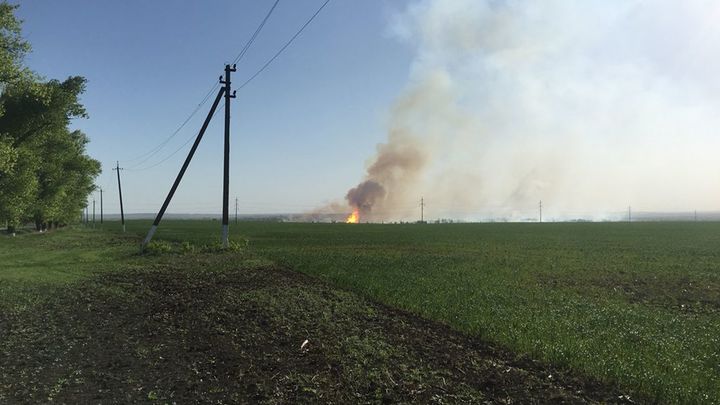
pixel 255 34
pixel 284 46
pixel 146 156
pixel 238 58
pixel 173 153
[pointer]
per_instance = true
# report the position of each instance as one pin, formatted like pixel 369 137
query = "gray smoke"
pixel 393 171
pixel 397 168
pixel 364 196
pixel 589 106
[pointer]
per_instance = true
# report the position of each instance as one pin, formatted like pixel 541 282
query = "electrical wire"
pixel 148 155
pixel 237 59
pixel 284 46
pixel 255 34
pixel 176 150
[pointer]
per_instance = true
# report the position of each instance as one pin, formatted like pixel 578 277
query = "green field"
pixel 636 305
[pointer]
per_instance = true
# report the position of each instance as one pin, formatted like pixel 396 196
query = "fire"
pixel 353 218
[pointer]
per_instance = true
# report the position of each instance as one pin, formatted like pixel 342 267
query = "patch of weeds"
pixel 55 390
pixel 161 247
pixel 187 247
pixel 238 245
pixel 158 247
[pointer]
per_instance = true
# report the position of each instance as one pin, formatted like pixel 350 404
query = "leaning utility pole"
pixel 540 207
pixel 122 213
pixel 101 206
pixel 226 160
pixel 189 157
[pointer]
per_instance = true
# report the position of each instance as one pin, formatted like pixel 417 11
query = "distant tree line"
pixel 45 173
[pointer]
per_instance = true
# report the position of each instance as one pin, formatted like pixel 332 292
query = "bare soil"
pixel 217 329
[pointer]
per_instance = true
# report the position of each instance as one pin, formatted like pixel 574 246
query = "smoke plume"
pixel 395 168
pixel 589 106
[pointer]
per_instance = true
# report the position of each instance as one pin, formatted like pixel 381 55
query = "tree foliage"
pixel 12 46
pixel 45 173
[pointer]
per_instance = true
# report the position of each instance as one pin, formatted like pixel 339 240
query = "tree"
pixel 18 189
pixel 45 173
pixel 12 50
pixel 65 178
pixel 36 122
pixel 12 46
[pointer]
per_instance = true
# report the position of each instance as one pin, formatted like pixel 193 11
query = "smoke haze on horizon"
pixel 589 106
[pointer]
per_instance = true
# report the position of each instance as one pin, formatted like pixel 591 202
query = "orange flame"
pixel 353 218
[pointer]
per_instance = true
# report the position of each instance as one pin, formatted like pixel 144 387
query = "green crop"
pixel 634 304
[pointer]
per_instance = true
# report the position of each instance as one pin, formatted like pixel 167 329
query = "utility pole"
pixel 93 213
pixel 101 206
pixel 629 213
pixel 122 213
pixel 184 167
pixel 695 215
pixel 422 210
pixel 236 209
pixel 86 215
pixel 540 207
pixel 226 159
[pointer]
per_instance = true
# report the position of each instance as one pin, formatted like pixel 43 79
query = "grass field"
pixel 632 304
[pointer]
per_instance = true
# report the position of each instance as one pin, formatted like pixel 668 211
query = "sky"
pixel 301 131
pixel 588 107
pixel 483 108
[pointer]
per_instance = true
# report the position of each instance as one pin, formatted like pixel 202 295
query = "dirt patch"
pixel 205 329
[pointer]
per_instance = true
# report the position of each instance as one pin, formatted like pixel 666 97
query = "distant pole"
pixel 226 158
pixel 540 209
pixel 122 213
pixel 101 206
pixel 93 213
pixel 86 215
pixel 236 209
pixel 422 209
pixel 629 213
pixel 695 215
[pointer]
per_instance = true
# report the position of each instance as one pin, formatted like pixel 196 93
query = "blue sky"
pixel 301 132
pixel 485 107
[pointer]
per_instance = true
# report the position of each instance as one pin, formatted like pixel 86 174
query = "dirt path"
pixel 202 330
